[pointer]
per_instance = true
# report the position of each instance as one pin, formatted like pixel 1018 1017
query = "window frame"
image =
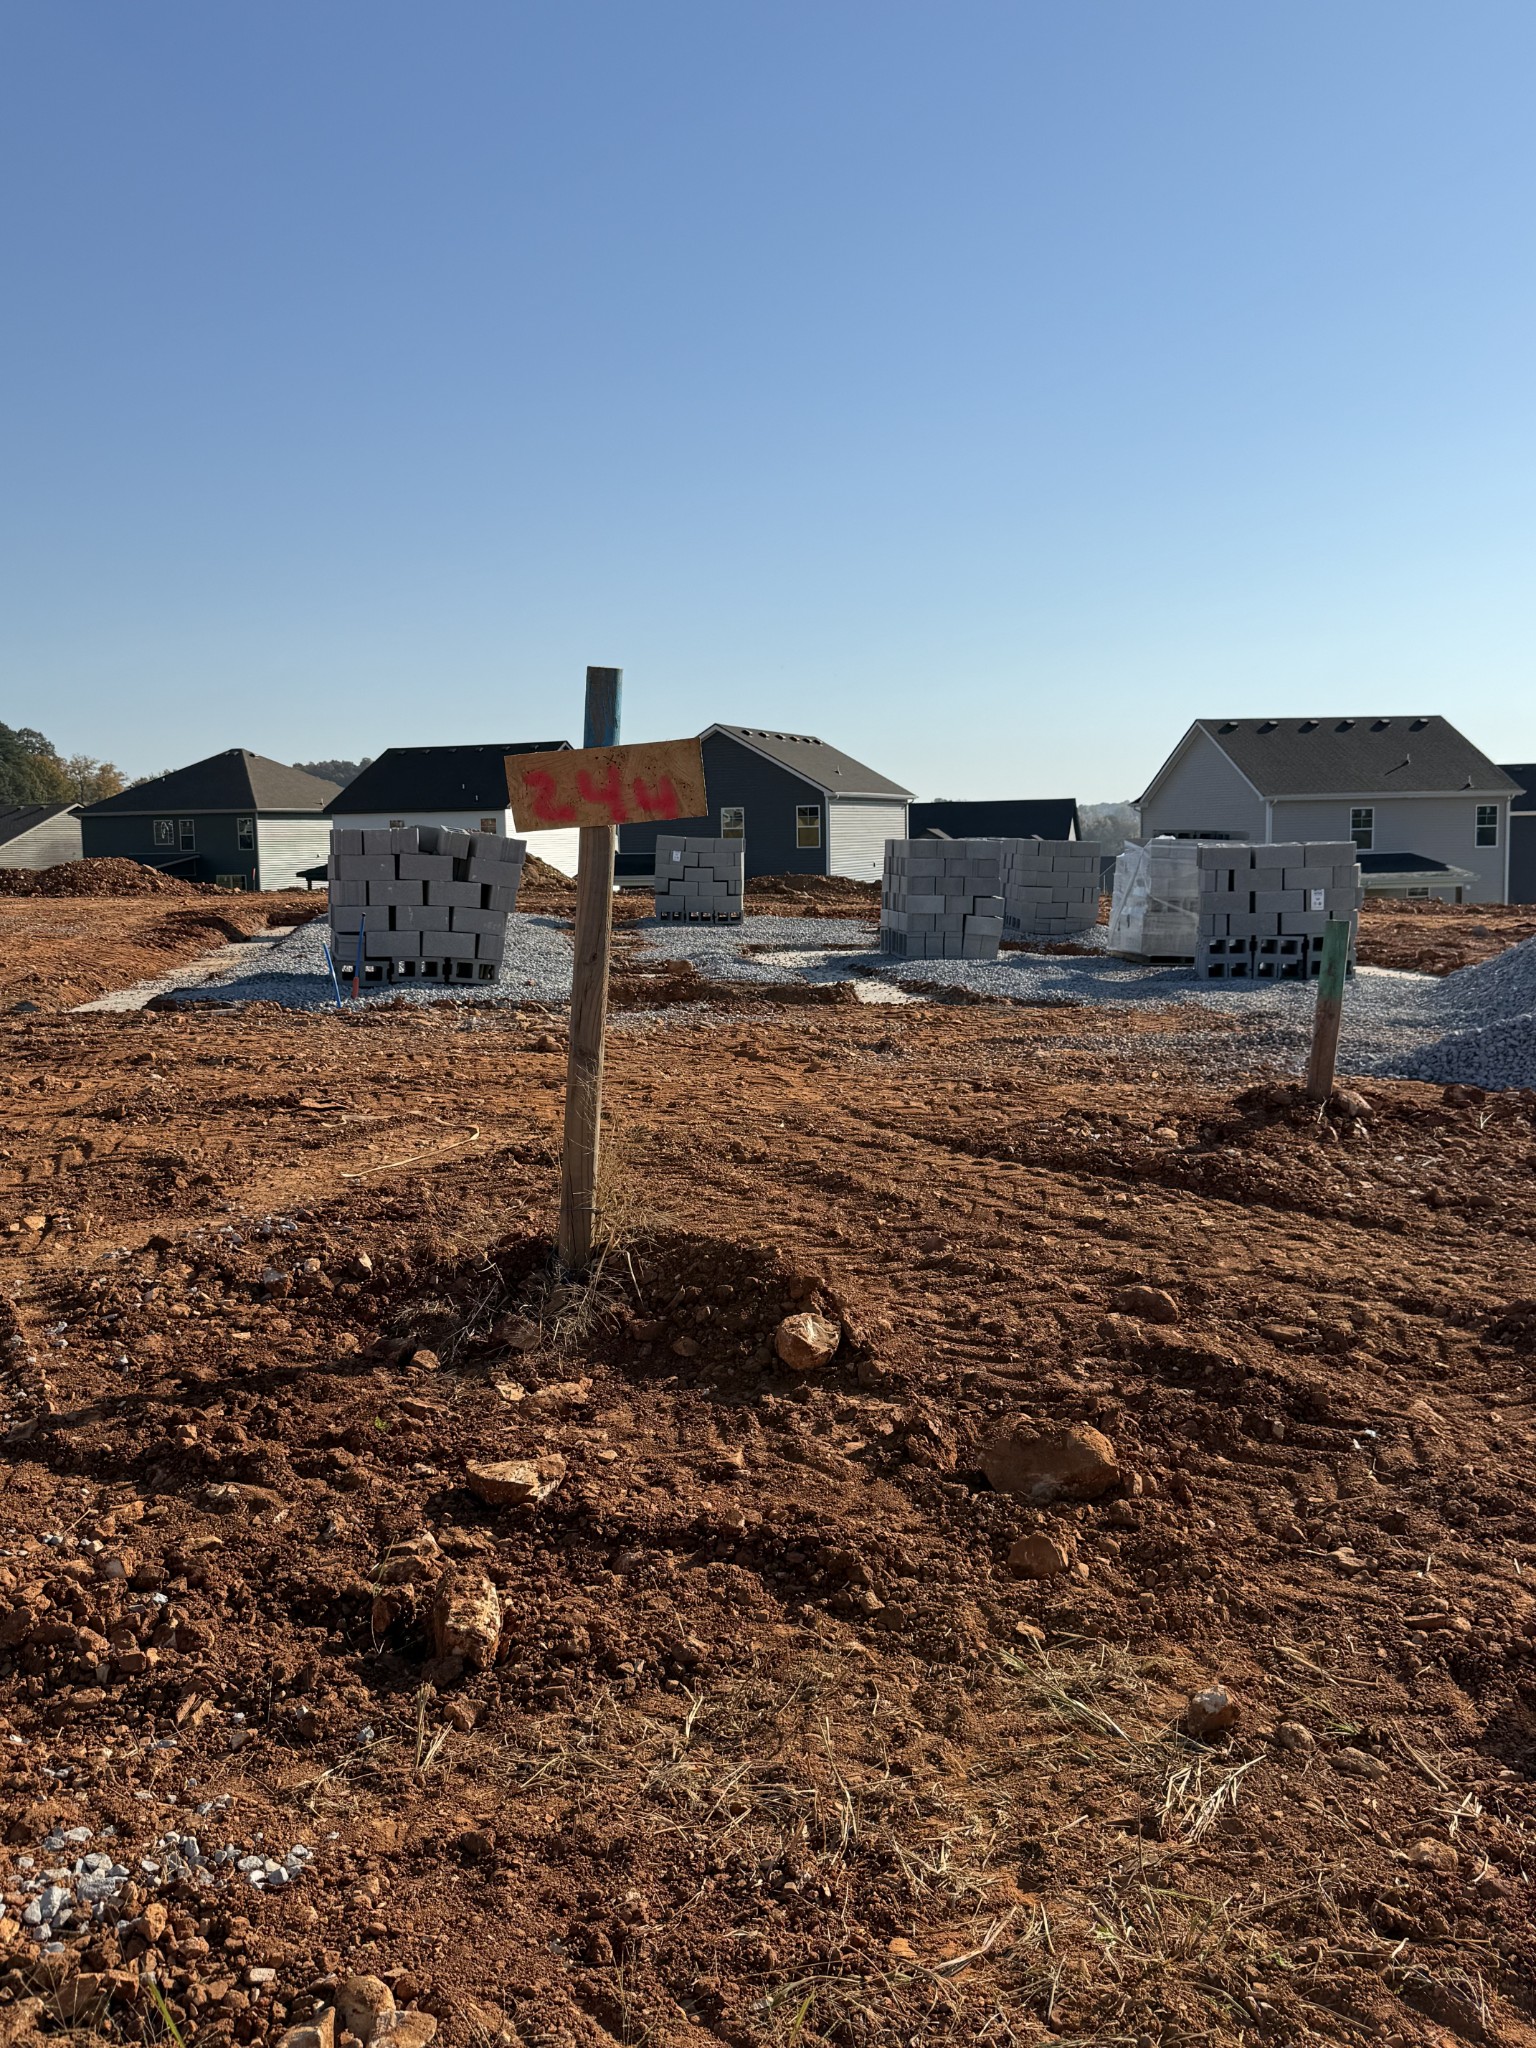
pixel 1362 819
pixel 163 833
pixel 1417 894
pixel 1485 819
pixel 803 813
pixel 733 821
pixel 186 835
pixel 245 834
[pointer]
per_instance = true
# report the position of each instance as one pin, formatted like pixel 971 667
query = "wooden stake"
pixel 589 999
pixel 1329 1013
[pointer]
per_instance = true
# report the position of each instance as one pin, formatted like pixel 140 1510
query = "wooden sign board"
pixel 607 786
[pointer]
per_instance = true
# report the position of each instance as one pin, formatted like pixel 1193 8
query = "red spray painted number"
pixel 610 792
pixel 658 799
pixel 547 807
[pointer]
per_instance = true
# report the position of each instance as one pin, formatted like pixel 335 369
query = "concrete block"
pixel 1331 853
pixel 421 917
pixel 347 892
pixel 1266 901
pixel 346 918
pixel 1308 878
pixel 455 945
pixel 346 839
pixel 378 839
pixel 458 895
pixel 476 921
pixel 367 867
pixel 425 867
pixel 501 900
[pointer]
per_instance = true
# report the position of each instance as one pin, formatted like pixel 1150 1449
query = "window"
pixel 1487 824
pixel 229 881
pixel 397 824
pixel 487 824
pixel 807 824
pixel 245 834
pixel 1362 826
pixel 733 821
pixel 165 832
pixel 1416 892
pixel 186 833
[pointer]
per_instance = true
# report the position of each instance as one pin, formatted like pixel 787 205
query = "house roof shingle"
pixel 803 754
pixel 236 780
pixel 435 779
pixel 1523 776
pixel 19 818
pixel 1362 756
pixel 1046 817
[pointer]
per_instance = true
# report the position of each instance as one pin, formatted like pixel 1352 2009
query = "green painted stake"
pixel 1330 1010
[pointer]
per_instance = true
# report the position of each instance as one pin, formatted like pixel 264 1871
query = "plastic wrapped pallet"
pixel 1155 910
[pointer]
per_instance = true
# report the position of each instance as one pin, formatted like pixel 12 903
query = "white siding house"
pixel 462 788
pixel 1394 785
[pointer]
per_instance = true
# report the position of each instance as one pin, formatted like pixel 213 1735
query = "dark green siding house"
pixel 801 807
pixel 236 819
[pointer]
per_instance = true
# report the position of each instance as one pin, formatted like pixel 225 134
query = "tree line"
pixel 33 771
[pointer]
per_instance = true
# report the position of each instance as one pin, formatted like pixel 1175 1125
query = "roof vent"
pixel 1417 724
pixel 1380 724
pixel 1309 725
pixel 1345 725
pixel 1269 725
pixel 1227 725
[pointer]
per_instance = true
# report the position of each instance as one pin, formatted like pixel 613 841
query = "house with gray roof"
pixel 39 835
pixel 800 805
pixel 236 819
pixel 1395 786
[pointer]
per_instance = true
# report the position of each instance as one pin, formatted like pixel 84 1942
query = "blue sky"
pixel 990 388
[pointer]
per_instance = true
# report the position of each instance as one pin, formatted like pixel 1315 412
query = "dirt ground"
pixel 57 952
pixel 1437 938
pixel 759 1739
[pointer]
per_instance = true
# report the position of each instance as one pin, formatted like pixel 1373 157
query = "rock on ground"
pixel 1075 1463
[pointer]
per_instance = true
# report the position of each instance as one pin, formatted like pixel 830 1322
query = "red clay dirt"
pixel 1437 938
pixel 56 953
pixel 772 1746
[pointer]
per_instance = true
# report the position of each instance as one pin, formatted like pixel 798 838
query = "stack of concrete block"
pixel 941 899
pixel 698 881
pixel 1264 909
pixel 432 904
pixel 1050 886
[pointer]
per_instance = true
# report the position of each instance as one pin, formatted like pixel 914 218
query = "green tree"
pixel 30 770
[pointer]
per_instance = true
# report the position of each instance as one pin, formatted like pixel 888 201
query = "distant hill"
pixel 339 772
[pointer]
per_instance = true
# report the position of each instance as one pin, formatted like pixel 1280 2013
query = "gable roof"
pixel 805 755
pixel 436 779
pixel 1523 776
pixel 236 780
pixel 1044 817
pixel 19 819
pixel 1363 756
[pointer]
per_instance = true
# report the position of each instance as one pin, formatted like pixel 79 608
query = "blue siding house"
pixel 800 807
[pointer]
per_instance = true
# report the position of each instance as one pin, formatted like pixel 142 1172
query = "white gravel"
pixel 1477 1026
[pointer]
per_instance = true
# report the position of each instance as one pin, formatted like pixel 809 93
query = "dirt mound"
pixel 98 878
pixel 1437 938
pixel 545 888
pixel 811 896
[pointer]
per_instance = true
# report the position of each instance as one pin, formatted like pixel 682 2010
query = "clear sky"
pixel 990 388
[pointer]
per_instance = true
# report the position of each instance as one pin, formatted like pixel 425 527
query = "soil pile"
pixel 546 888
pixel 1438 938
pixel 811 896
pixel 99 878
